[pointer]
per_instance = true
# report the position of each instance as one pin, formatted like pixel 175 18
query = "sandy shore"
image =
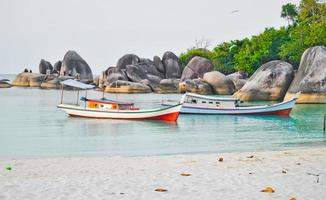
pixel 296 173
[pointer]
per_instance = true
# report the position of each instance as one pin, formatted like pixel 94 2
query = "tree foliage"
pixel 289 12
pixel 308 28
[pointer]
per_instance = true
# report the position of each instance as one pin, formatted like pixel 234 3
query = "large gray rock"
pixel 168 86
pixel 57 67
pixel 127 87
pixel 28 80
pixel 135 73
pixel 220 83
pixel 239 79
pixel 44 66
pixel 196 68
pixel 195 86
pixel 128 59
pixel 311 77
pixel 54 82
pixel 171 65
pixel 73 64
pixel 154 79
pixel 4 83
pixel 149 67
pixel 113 74
pixel 158 64
pixel 270 82
pixel 237 75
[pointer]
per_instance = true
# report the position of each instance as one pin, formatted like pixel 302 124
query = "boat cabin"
pixel 195 100
pixel 107 104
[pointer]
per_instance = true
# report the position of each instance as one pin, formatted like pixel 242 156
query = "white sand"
pixel 237 177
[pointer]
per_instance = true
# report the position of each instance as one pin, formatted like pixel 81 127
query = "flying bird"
pixel 234 11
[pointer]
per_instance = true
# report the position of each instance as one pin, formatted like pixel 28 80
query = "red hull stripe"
pixel 284 112
pixel 165 117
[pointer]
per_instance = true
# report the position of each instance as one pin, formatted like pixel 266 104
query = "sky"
pixel 102 31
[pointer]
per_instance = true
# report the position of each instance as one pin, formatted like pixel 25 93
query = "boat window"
pixel 188 100
pixel 203 101
pixel 102 105
pixel 193 101
pixel 217 103
pixel 210 102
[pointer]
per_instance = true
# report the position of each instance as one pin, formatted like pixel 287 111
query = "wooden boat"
pixel 200 104
pixel 110 109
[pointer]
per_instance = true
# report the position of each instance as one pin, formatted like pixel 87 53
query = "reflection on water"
pixel 31 125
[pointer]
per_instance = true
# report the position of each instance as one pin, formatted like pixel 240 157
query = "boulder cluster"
pixel 133 74
pixel 275 80
pixel 72 66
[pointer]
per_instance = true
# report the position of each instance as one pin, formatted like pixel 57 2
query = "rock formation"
pixel 128 59
pixel 113 74
pixel 269 83
pixel 127 87
pixel 219 82
pixel 239 79
pixel 311 77
pixel 196 68
pixel 158 64
pixel 26 79
pixel 57 67
pixel 195 86
pixel 168 86
pixel 171 65
pixel 73 65
pixel 4 83
pixel 45 66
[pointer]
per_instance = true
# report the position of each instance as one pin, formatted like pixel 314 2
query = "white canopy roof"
pixel 77 84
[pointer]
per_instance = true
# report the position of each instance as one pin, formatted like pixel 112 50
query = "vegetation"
pixel 306 28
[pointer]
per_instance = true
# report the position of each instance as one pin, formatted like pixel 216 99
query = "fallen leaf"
pixel 185 174
pixel 160 190
pixel 293 198
pixel 284 171
pixel 250 156
pixel 268 190
pixel 220 159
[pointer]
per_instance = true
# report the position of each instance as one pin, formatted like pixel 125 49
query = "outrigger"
pixel 110 109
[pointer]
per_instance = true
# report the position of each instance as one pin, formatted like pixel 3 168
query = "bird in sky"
pixel 234 11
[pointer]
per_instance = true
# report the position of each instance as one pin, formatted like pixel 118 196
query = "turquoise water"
pixel 32 126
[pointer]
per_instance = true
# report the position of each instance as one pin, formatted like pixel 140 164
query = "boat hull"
pixel 166 114
pixel 283 109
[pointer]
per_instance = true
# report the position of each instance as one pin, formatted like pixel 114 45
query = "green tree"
pixel 260 49
pixel 223 56
pixel 289 12
pixel 309 31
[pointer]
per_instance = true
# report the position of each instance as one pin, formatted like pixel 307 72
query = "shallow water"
pixel 32 126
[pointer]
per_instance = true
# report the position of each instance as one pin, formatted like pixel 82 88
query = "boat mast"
pixel 77 97
pixel 61 93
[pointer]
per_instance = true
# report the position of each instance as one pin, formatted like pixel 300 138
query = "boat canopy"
pixel 77 84
pixel 211 98
pixel 108 101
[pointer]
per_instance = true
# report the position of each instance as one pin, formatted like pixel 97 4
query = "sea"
pixel 32 126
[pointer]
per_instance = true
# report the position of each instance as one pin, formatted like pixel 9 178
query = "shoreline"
pixel 105 155
pixel 299 173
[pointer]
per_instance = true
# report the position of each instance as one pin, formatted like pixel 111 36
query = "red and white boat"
pixel 200 104
pixel 110 109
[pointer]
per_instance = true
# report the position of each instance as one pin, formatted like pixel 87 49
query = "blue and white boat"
pixel 200 104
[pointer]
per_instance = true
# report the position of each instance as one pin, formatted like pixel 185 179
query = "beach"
pixel 296 174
